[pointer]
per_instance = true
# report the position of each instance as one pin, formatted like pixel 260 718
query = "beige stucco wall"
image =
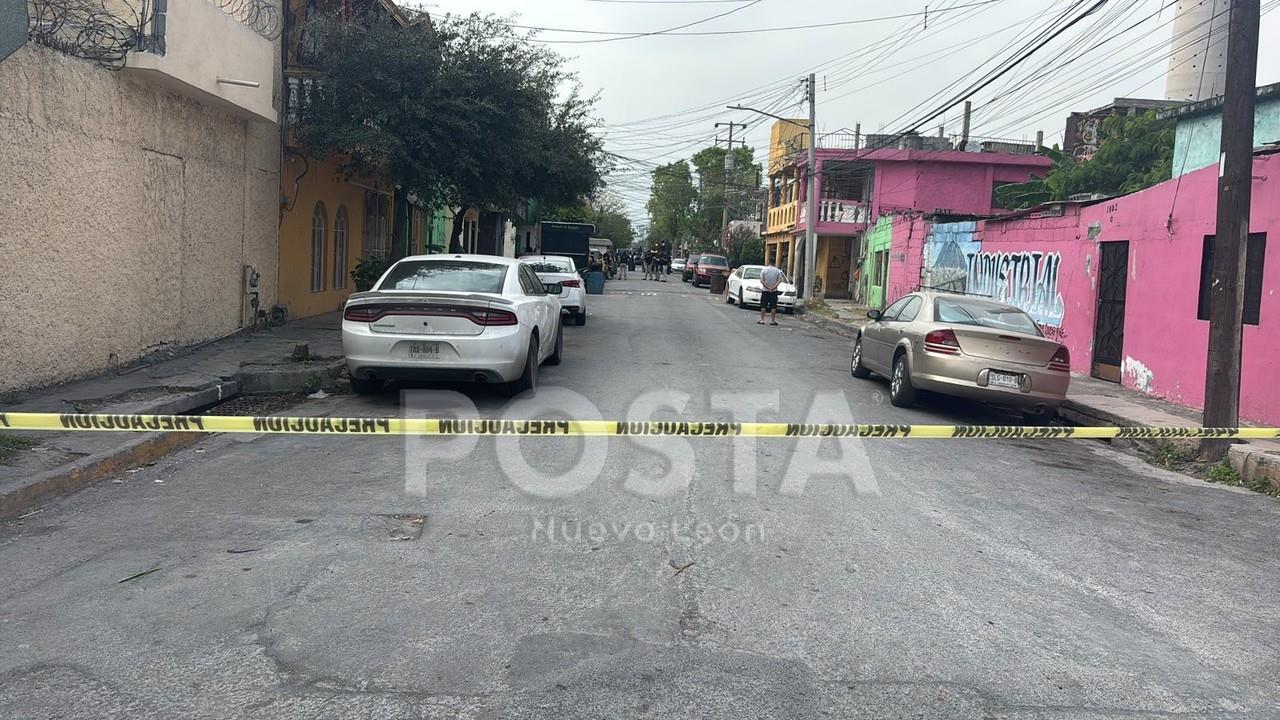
pixel 126 215
pixel 204 43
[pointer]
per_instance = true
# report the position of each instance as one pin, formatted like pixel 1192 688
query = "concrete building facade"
pixel 139 205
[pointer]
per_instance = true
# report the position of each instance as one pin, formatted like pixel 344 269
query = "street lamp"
pixel 810 258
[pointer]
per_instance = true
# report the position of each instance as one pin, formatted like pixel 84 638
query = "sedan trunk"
pixel 1004 345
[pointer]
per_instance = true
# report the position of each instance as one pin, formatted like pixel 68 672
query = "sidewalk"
pixel 38 466
pixel 1097 403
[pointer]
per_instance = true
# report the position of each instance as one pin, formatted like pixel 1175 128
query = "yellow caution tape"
pixel 431 426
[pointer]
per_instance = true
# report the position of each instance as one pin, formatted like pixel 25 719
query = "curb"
pixel 138 451
pixel 303 377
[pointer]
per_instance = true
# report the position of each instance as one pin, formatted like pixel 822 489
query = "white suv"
pixel 560 269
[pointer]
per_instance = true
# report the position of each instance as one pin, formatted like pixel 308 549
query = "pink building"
pixel 1122 282
pixel 855 186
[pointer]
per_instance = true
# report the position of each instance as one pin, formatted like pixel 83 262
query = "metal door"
pixel 1108 330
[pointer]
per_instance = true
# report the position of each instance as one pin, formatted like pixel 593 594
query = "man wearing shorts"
pixel 770 280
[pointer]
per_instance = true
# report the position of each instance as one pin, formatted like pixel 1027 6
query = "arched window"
pixel 317 248
pixel 340 248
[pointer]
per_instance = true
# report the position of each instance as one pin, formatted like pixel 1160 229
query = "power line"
pixel 740 8
pixel 746 31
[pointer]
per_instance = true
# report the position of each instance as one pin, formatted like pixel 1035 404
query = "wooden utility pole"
pixel 810 256
pixel 1235 186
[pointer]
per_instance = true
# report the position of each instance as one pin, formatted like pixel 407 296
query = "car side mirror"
pixel 552 288
pixel 873 314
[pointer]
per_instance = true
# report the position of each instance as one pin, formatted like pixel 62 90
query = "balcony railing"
pixel 782 217
pixel 843 212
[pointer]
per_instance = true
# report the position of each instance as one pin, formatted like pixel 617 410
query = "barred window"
pixel 317 248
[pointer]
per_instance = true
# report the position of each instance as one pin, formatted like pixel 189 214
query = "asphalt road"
pixel 874 579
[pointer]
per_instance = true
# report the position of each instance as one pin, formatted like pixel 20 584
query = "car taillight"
pixel 494 317
pixel 943 342
pixel 362 313
pixel 571 283
pixel 1061 360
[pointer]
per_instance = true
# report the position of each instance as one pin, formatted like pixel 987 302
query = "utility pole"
pixel 810 274
pixel 1235 186
pixel 728 170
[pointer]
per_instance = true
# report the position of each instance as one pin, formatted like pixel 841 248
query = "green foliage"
pixel 10 445
pixel 368 269
pixel 467 110
pixel 1136 152
pixel 708 163
pixel 745 247
pixel 671 205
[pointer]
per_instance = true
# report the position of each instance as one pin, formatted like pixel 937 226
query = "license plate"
pixel 1005 380
pixel 424 351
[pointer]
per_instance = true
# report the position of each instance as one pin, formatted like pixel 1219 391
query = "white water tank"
pixel 1198 51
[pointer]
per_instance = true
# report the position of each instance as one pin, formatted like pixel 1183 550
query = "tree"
pixel 745 247
pixel 742 182
pixel 1136 152
pixel 671 205
pixel 466 111
pixel 603 211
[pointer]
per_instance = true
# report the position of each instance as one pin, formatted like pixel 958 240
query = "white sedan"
pixel 560 269
pixel 744 288
pixel 477 318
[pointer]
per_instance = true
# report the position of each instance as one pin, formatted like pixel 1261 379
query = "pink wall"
pixel 952 187
pixel 906 251
pixel 1164 343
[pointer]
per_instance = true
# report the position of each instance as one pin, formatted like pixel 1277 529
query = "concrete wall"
pixel 906 253
pixel 946 187
pixel 1198 140
pixel 126 215
pixel 204 43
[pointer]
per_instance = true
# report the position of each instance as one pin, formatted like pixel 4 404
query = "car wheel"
pixel 366 386
pixel 728 298
pixel 580 318
pixel 856 368
pixel 742 303
pixel 901 392
pixel 528 380
pixel 1039 419
pixel 555 356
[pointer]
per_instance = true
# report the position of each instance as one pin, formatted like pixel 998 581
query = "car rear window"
pixel 551 266
pixel 448 275
pixel 712 260
pixel 959 312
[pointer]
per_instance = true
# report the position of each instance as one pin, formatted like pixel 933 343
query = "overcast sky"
pixel 660 95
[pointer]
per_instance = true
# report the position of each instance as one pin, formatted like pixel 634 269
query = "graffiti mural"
pixel 1027 279
pixel 954 261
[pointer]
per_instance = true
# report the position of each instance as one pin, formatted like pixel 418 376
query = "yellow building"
pixel 787 140
pixel 328 221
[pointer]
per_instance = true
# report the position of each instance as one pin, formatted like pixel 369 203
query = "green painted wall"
pixel 1198 140
pixel 877 240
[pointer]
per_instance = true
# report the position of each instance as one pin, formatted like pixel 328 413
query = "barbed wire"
pixel 105 34
pixel 88 29
pixel 260 16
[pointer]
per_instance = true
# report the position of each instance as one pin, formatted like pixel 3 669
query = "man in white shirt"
pixel 770 280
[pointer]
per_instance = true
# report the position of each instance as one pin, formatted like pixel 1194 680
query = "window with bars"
pixel 377 229
pixel 317 248
pixel 340 248
pixel 1255 256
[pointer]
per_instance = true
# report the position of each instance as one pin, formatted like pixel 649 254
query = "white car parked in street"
pixel 744 289
pixel 476 318
pixel 560 269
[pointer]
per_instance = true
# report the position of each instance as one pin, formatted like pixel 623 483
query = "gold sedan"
pixel 964 346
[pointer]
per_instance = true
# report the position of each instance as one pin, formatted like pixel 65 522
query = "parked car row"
pixel 966 347
pixel 468 318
